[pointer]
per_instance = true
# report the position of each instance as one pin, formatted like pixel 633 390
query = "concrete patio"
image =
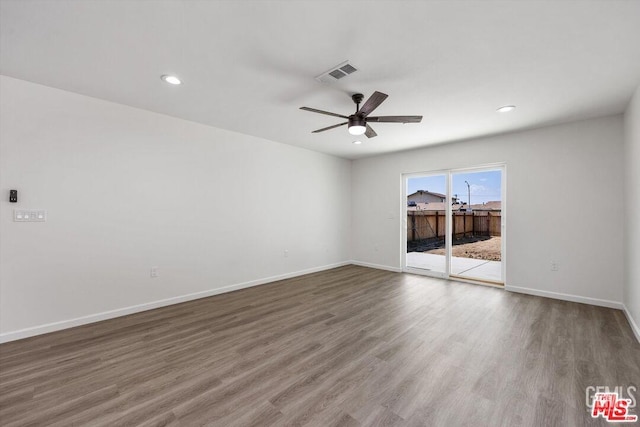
pixel 465 267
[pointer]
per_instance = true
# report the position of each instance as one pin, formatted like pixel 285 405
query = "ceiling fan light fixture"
pixel 357 125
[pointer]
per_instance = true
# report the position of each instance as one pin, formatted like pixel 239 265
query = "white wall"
pixel 632 212
pixel 127 189
pixel 546 168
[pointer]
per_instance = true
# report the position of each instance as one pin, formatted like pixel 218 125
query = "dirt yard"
pixel 477 248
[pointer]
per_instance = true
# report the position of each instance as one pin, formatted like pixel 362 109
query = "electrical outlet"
pixel 286 253
pixel 554 266
pixel 154 272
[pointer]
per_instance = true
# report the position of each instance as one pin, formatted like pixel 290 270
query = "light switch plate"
pixel 29 215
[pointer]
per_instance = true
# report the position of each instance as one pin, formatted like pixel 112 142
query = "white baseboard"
pixel 632 323
pixel 566 297
pixel 105 315
pixel 377 266
pixel 79 321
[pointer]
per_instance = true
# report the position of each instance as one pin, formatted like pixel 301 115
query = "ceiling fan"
pixel 359 121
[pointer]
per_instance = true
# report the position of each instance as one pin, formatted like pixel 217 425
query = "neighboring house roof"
pixel 435 206
pixel 427 192
pixel 488 206
pixel 438 206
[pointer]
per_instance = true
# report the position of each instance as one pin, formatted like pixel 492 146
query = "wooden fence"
pixel 423 225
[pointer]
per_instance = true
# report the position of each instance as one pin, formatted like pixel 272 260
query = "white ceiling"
pixel 249 65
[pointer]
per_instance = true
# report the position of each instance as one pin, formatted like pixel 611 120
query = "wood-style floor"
pixel 351 346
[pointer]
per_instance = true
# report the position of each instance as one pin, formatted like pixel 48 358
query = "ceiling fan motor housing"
pixel 356 120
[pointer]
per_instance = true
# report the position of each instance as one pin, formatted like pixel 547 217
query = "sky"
pixel 485 186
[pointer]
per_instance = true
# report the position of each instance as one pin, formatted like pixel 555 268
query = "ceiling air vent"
pixel 336 73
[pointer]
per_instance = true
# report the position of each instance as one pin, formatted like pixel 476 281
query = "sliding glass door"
pixel 426 223
pixel 454 224
pixel 476 223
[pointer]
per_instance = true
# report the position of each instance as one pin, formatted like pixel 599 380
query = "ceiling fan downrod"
pixel 357 98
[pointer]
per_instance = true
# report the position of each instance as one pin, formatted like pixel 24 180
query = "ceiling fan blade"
pixel 370 133
pixel 329 127
pixel 395 119
pixel 313 110
pixel 372 103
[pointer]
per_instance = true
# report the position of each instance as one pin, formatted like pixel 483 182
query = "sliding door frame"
pixel 448 173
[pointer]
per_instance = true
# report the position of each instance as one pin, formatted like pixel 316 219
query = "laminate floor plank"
pixel 352 346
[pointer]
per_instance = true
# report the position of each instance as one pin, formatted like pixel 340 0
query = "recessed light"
pixel 357 142
pixel 171 79
pixel 506 109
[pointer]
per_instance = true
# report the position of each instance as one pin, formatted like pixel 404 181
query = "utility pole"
pixel 468 195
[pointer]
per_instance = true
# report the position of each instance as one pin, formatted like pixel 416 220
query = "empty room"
pixel 319 213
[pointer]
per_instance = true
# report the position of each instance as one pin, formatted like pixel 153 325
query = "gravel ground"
pixel 488 249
